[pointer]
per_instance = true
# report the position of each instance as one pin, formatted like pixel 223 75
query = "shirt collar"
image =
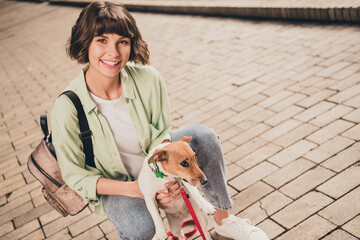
pixel 87 101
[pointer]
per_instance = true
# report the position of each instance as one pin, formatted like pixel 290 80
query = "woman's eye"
pixel 124 42
pixel 184 164
pixel 101 40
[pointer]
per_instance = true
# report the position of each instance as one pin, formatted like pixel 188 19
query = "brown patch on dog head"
pixel 186 139
pixel 159 155
pixel 181 162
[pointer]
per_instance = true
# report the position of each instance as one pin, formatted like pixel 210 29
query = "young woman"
pixel 127 107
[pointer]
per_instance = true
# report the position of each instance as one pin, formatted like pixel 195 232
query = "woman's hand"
pixel 170 193
pixel 137 191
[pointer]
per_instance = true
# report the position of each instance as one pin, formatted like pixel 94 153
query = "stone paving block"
pixel 287 102
pixel 250 146
pixel 274 98
pixel 312 70
pixel 249 196
pixel 32 214
pixel 292 153
pixel 330 131
pixel 271 228
pixel 346 72
pixel 339 234
pixel 94 233
pixel 230 133
pixel 301 209
pixel 6 228
pixel 333 69
pixel 345 84
pixel 353 102
pixel 8 206
pixel 307 231
pixel 107 227
pixel 249 134
pixel 49 217
pixel 113 236
pixel 23 231
pixel 233 170
pixel 20 210
pixel 327 117
pixel 314 111
pixel 212 122
pixel 245 114
pixel 283 115
pixel 11 184
pixel 254 213
pixel 262 116
pixel 306 182
pixel 227 147
pixel 328 149
pixel 8 165
pixel 38 234
pixel 344 158
pixel 353 133
pixel 346 94
pixel 288 172
pixel 280 130
pixel 252 175
pixel 86 223
pixel 61 235
pixel 341 183
pixel 16 171
pixel 274 202
pixel 258 156
pixel 61 223
pixel 248 103
pixel 315 98
pixel 344 208
pixel 353 226
pixel 24 190
pixel 295 135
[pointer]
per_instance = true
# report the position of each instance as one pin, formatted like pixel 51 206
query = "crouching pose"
pixel 126 105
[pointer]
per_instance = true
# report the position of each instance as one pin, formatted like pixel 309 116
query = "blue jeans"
pixel 130 215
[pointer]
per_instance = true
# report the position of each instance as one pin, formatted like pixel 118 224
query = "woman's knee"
pixel 138 232
pixel 130 217
pixel 203 136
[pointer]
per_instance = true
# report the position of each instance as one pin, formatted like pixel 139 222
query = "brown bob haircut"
pixel 103 17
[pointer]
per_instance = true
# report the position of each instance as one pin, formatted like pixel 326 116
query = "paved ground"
pixel 284 98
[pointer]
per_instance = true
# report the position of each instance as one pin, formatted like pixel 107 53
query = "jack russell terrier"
pixel 170 162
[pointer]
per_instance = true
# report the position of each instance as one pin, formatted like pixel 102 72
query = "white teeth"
pixel 109 62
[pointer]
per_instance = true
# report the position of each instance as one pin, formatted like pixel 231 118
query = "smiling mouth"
pixel 110 63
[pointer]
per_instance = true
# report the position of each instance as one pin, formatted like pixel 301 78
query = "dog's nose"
pixel 203 181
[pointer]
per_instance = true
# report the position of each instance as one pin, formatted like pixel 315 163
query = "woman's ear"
pixel 186 139
pixel 159 155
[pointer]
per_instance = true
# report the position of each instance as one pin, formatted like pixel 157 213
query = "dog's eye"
pixel 184 164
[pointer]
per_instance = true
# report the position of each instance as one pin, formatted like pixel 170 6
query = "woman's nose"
pixel 113 50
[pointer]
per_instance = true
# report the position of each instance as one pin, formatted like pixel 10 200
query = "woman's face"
pixel 108 54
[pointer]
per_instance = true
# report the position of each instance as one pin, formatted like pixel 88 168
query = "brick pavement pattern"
pixel 284 98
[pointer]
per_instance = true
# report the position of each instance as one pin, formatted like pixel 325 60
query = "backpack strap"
pixel 85 132
pixel 44 125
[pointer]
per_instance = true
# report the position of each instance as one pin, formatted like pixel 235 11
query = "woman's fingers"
pixel 169 194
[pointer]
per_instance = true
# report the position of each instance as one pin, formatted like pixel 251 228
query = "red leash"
pixel 192 212
pixel 193 215
pixel 188 234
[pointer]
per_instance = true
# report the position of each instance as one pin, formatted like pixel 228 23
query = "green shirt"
pixel 147 101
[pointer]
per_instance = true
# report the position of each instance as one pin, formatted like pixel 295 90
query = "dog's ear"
pixel 186 139
pixel 159 155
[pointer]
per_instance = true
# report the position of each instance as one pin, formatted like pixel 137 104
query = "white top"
pixel 122 127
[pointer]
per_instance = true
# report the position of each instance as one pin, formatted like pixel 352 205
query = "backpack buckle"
pixel 86 134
